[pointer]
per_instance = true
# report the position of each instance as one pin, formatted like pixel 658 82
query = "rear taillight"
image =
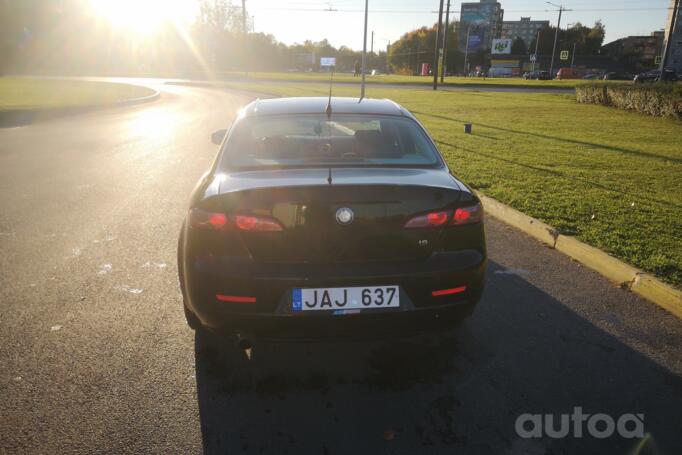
pixel 256 223
pixel 461 216
pixel 467 215
pixel 204 219
pixel 433 219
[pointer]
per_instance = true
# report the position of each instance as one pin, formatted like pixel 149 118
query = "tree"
pixel 588 39
pixel 519 47
pixel 595 38
pixel 220 15
pixel 418 46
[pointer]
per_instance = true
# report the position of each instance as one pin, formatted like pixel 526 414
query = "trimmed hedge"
pixel 660 100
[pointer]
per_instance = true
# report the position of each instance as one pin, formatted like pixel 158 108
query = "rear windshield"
pixel 316 140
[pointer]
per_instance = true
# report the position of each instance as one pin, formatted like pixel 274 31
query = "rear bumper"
pixel 356 326
pixel 271 285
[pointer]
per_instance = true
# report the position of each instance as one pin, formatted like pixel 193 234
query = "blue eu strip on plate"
pixel 296 300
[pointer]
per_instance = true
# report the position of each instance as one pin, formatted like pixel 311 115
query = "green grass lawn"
pixel 398 79
pixel 27 93
pixel 610 177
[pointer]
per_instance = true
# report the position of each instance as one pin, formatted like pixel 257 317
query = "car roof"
pixel 318 105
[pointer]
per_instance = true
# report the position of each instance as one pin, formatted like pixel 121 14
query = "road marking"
pixel 126 288
pixel 158 265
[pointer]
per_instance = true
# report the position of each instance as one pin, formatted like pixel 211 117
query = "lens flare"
pixel 143 17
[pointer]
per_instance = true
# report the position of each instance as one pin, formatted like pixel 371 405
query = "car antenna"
pixel 328 111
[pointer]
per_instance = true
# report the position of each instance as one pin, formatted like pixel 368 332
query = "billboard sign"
pixel 502 46
pixel 327 61
pixel 476 20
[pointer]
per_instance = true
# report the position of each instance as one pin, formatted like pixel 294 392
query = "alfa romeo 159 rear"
pixel 330 217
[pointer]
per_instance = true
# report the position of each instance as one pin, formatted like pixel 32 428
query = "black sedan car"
pixel 537 75
pixel 656 76
pixel 329 217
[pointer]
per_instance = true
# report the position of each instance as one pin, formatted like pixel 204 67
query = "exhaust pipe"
pixel 244 343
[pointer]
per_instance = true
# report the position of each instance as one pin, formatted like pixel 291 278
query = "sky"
pixel 292 21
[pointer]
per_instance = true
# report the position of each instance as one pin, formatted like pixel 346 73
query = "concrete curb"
pixel 18 117
pixel 626 276
pixel 536 228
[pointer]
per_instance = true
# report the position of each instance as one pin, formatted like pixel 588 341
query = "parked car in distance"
pixel 617 76
pixel 568 73
pixel 656 76
pixel 329 217
pixel 537 75
pixel 648 76
pixel 670 76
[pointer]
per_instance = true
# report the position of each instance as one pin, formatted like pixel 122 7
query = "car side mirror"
pixel 218 136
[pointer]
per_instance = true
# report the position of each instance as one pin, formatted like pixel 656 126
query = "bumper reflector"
pixel 235 298
pixel 449 291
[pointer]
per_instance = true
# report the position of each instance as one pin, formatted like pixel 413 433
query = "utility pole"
pixel 666 51
pixel 466 49
pixel 537 42
pixel 445 42
pixel 556 37
pixel 246 72
pixel 436 54
pixel 364 52
pixel 388 58
pixel 573 56
pixel 371 52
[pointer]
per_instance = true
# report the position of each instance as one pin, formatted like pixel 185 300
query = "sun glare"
pixel 143 16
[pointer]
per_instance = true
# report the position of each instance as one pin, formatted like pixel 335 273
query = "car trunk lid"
pixel 309 208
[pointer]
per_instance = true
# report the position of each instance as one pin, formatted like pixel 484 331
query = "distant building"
pixel 482 22
pixel 674 60
pixel 525 29
pixel 635 52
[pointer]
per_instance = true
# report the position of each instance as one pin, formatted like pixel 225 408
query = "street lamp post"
pixel 364 51
pixel 437 54
pixel 673 26
pixel 556 37
pixel 445 43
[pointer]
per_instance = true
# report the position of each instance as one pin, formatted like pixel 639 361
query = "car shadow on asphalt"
pixel 521 352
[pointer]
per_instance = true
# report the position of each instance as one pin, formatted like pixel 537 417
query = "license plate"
pixel 355 298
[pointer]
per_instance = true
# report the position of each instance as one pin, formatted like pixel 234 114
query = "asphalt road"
pixel 95 356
